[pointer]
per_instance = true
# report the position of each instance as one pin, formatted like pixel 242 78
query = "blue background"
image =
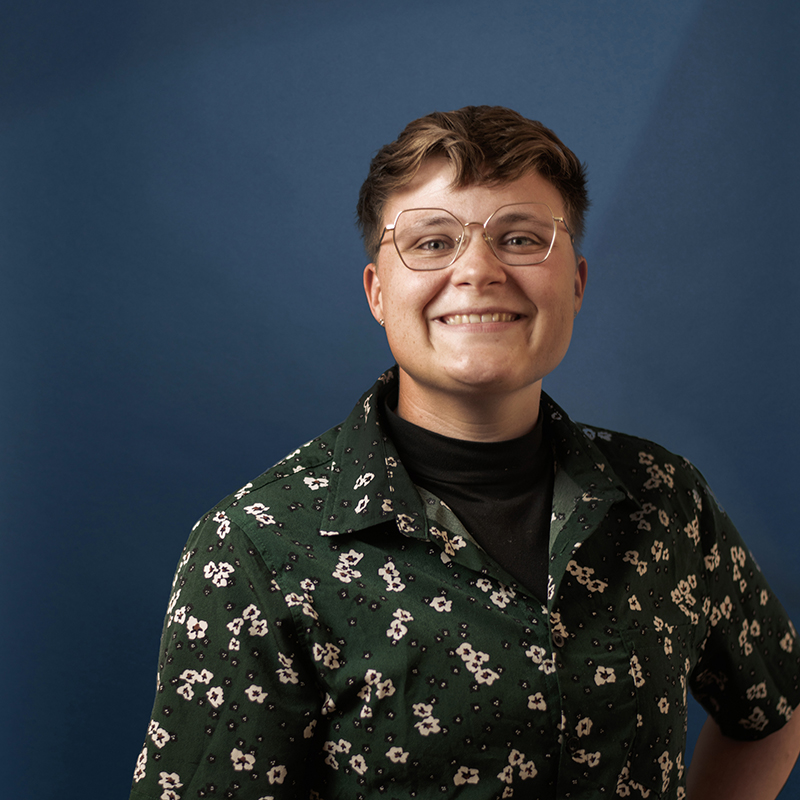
pixel 181 284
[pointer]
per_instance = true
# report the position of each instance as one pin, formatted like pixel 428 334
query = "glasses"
pixel 519 234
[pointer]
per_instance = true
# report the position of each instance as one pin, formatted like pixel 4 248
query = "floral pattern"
pixel 335 632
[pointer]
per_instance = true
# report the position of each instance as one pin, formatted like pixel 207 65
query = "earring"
pixel 381 323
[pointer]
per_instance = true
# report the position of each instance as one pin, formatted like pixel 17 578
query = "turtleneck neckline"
pixel 502 469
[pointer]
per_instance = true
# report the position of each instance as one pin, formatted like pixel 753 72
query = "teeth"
pixel 469 319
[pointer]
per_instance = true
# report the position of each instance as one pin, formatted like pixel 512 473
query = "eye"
pixel 522 240
pixel 436 245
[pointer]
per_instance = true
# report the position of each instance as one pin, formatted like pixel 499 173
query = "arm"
pixel 235 703
pixel 728 769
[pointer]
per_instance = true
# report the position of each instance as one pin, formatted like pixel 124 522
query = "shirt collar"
pixel 373 488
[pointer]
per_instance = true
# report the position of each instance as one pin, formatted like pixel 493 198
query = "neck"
pixel 471 416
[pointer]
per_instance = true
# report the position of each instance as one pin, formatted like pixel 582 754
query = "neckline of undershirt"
pixel 504 469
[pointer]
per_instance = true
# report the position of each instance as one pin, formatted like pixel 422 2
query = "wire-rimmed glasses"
pixel 519 234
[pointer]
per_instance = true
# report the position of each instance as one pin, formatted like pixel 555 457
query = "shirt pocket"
pixel 660 662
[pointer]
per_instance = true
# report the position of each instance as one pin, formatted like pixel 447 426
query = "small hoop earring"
pixel 381 323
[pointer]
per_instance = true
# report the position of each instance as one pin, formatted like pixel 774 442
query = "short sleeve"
pixel 235 710
pixel 747 677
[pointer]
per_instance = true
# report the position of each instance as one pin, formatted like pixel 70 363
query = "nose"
pixel 477 265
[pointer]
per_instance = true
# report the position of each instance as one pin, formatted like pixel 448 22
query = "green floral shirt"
pixel 334 632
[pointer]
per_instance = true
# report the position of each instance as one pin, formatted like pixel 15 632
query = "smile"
pixel 472 319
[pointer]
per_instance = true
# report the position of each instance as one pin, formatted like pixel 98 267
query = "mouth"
pixel 474 319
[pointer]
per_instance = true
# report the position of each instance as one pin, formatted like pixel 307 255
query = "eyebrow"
pixel 516 216
pixel 433 220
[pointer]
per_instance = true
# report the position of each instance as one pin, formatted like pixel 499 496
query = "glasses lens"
pixel 522 234
pixel 427 238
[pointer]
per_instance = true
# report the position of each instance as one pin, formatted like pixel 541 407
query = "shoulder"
pixel 649 473
pixel 288 497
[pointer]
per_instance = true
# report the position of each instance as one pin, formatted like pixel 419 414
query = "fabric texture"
pixel 335 632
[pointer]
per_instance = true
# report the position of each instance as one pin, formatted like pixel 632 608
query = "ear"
pixel 580 283
pixel 372 288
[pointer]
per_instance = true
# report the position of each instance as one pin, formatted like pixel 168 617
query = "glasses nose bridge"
pixel 467 238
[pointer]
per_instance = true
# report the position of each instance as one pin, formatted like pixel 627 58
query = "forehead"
pixel 433 187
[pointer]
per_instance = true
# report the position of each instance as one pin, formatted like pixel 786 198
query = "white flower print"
pixel 218 573
pixel 397 755
pixel 159 737
pixel 659 551
pixel 372 677
pixel 756 721
pixel 141 764
pixel 465 775
pixel 259 511
pixel 604 675
pixel 242 761
pixel 590 759
pixel 441 604
pixel 583 576
pixel 169 780
pixel 224 526
pixel 277 774
pixel 186 692
pixel 234 644
pixel 255 694
pixel 192 676
pixel 397 630
pixel 584 727
pixel 636 672
pixel 427 726
pixel 503 596
pixel 712 560
pixel 787 643
pixel 363 480
pixel 235 626
pixel 506 775
pixel 258 628
pixel 286 674
pixel 196 628
pixel 692 530
pixel 315 483
pixel 486 676
pixel 344 570
pixel 362 504
pixel 358 764
pixel 215 696
pixel 180 616
pixel 632 557
pixel 328 654
pixel 243 491
pixel 405 523
pixel 536 702
pixel 528 770
pixel 392 577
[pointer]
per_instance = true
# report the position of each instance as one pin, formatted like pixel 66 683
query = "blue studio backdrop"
pixel 182 301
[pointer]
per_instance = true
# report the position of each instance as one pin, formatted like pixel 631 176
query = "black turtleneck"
pixel 501 491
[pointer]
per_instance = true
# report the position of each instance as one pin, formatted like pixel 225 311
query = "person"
pixel 459 592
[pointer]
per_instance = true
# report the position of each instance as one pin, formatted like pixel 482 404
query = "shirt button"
pixel 558 640
pixel 573 744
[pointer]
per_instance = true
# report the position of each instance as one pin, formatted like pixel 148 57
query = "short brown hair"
pixel 486 144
